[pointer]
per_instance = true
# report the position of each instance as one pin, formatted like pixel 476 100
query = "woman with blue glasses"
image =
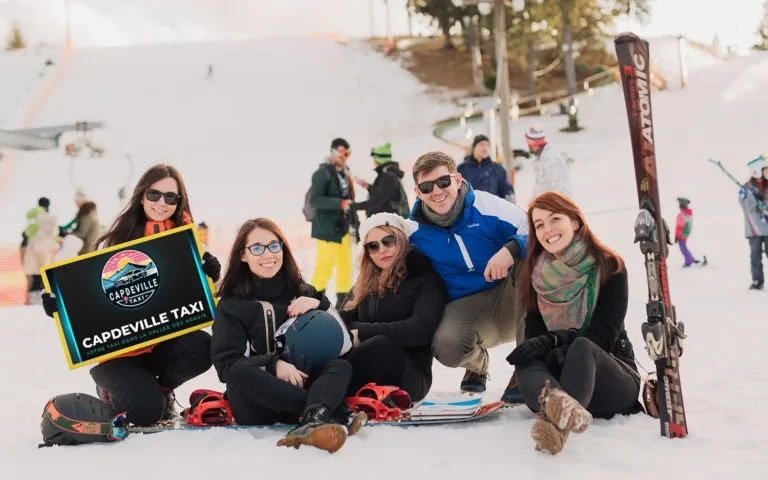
pixel 260 291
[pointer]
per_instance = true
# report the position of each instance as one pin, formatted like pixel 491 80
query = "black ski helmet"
pixel 683 202
pixel 78 418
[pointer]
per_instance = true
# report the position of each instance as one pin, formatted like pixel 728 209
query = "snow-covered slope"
pixel 666 58
pixel 720 115
pixel 246 141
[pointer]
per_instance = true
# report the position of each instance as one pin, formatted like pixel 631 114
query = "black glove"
pixel 63 232
pixel 49 304
pixel 532 349
pixel 555 360
pixel 302 364
pixel 211 266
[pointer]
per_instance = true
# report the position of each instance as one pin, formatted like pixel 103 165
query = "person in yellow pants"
pixel 331 197
pixel 332 255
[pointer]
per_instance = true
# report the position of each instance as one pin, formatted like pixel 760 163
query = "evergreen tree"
pixel 762 30
pixel 15 41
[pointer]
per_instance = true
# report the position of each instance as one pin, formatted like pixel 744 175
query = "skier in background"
pixel 386 194
pixel 202 230
pixel 210 72
pixel 84 226
pixel 551 167
pixel 332 194
pixel 683 231
pixel 40 245
pixel 483 173
pixel 751 199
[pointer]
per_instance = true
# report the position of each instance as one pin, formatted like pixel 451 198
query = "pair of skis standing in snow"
pixel 570 333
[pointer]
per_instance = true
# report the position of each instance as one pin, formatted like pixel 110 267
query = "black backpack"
pixel 309 210
pixel 402 207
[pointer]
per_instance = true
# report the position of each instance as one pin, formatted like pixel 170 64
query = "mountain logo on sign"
pixel 130 279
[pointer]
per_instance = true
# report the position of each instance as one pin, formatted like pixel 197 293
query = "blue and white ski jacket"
pixel 460 253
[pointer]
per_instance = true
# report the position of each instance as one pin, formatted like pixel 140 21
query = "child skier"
pixel 683 231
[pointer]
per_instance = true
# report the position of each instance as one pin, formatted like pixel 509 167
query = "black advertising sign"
pixel 130 296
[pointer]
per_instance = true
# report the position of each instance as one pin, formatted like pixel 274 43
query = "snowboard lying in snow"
pixel 440 412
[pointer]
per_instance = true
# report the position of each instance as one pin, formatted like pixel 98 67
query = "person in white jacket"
pixel 551 167
pixel 41 250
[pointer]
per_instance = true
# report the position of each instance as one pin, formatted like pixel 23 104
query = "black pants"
pixel 757 247
pixel 135 383
pixel 595 379
pixel 36 284
pixel 380 360
pixel 260 398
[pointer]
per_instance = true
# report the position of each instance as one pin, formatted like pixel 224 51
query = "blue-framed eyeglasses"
pixel 258 250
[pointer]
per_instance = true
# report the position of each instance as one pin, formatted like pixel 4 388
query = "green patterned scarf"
pixel 567 288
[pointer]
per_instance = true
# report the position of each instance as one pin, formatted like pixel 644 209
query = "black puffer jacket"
pixel 242 332
pixel 385 194
pixel 410 315
pixel 606 327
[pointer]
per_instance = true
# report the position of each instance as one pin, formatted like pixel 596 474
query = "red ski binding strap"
pixel 208 408
pixel 380 403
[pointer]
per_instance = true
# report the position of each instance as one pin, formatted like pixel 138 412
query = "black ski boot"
pixel 316 429
pixel 475 382
pixel 345 416
pixel 170 408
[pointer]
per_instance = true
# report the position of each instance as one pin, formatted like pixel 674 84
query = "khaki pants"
pixel 480 321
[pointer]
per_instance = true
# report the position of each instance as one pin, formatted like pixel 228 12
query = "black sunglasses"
pixel 441 182
pixel 170 197
pixel 373 247
pixel 258 250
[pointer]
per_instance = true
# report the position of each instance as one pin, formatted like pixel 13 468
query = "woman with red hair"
pixel 576 361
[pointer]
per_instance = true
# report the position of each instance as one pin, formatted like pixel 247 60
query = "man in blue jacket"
pixel 483 173
pixel 474 240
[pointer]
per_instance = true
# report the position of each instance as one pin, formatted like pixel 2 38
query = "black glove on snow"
pixel 532 349
pixel 49 304
pixel 211 266
pixel 302 364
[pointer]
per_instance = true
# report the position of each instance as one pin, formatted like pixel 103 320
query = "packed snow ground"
pixel 720 115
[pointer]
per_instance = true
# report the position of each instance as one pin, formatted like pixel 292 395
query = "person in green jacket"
pixel 43 204
pixel 34 279
pixel 332 195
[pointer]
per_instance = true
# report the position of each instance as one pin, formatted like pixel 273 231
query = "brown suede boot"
pixel 564 411
pixel 316 429
pixel 548 438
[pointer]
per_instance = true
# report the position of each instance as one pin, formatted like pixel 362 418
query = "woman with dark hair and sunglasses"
pixel 393 311
pixel 142 382
pixel 261 289
pixel 576 361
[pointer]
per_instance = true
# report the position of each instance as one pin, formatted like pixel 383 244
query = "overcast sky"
pixel 126 22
